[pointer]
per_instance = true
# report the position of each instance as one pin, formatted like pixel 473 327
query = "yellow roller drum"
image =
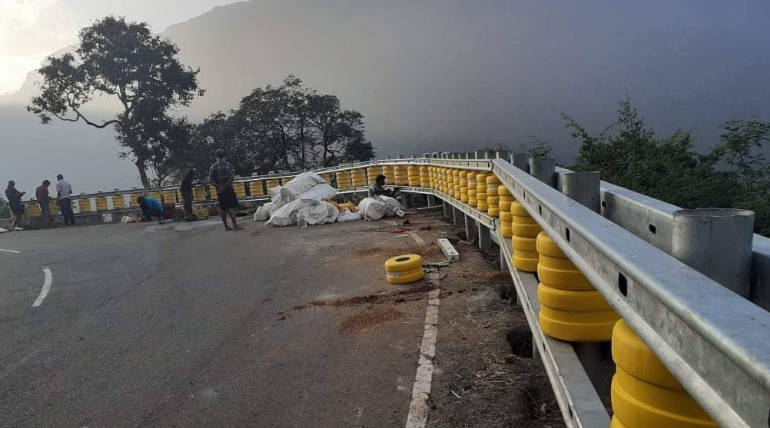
pixel 493 212
pixel 519 210
pixel 577 326
pixel 506 230
pixel 525 261
pixel 404 269
pixel 482 205
pixel 506 217
pixel 637 359
pixel 492 184
pixel 570 300
pixel 615 423
pixel 503 191
pixel 562 272
pixel 524 229
pixel 638 404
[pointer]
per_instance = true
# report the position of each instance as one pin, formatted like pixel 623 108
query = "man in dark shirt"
pixel 221 177
pixel 379 188
pixel 17 208
pixel 41 193
pixel 186 188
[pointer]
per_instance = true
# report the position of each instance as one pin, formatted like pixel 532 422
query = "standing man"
pixel 17 208
pixel 41 193
pixel 221 177
pixel 63 194
pixel 186 188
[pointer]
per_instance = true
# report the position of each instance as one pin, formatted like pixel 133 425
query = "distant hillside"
pixel 458 75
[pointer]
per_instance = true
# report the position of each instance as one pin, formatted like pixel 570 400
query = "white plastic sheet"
pixel 319 192
pixel 263 212
pixel 347 215
pixel 287 214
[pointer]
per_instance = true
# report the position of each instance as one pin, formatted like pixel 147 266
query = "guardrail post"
pixel 445 209
pixel 521 161
pixel 485 238
pixel 470 228
pixel 716 242
pixel 544 169
pixel 583 187
pixel 456 216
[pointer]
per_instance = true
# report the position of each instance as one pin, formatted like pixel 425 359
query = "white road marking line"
pixel 416 238
pixel 46 287
pixel 418 408
pixel 2 250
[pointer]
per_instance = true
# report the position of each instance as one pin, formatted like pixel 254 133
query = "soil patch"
pixel 410 294
pixel 369 318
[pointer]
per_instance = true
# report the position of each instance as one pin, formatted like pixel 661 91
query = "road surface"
pixel 189 325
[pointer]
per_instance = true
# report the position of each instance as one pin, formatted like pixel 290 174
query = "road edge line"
pixel 47 281
pixel 418 408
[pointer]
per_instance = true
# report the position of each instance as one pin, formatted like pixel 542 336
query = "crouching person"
pixel 151 207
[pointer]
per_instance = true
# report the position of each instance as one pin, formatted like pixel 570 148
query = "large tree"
pixel 123 61
pixel 281 128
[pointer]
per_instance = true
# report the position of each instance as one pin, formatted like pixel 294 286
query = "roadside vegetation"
pixel 285 128
pixel 733 173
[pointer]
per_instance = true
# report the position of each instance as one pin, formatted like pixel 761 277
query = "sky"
pixel 30 30
pixel 428 75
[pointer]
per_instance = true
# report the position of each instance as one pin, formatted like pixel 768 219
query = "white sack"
pixel 263 212
pixel 372 209
pixel 294 189
pixel 347 215
pixel 319 192
pixel 3 230
pixel 287 214
pixel 318 213
pixel 394 206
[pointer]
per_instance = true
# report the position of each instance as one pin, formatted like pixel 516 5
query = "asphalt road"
pixel 189 325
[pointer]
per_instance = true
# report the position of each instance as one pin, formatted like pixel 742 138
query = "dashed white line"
pixel 2 250
pixel 46 287
pixel 418 408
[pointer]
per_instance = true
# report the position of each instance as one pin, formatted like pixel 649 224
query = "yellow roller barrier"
pixel 570 308
pixel 404 269
pixel 101 203
pixel 481 191
pixel 644 393
pixel 118 202
pixel 424 177
pixel 524 230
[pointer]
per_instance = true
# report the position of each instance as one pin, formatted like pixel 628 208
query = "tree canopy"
pixel 285 128
pixel 733 173
pixel 123 61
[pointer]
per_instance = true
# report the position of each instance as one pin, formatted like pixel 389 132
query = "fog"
pixel 447 75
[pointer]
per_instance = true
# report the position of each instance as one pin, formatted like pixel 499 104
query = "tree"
pixel 122 61
pixel 280 129
pixel 732 174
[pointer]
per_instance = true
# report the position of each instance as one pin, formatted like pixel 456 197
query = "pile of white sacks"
pixel 304 201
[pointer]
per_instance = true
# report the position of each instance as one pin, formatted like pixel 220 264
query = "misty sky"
pixel 428 75
pixel 32 29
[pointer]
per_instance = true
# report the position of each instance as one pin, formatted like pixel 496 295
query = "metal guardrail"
pixel 716 343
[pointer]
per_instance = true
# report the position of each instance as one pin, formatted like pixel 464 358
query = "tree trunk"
pixel 142 173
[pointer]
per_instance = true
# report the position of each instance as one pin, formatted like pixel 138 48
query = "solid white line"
pixel 46 287
pixel 9 251
pixel 416 238
pixel 418 408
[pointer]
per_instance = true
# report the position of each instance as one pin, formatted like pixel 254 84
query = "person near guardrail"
pixel 151 207
pixel 64 194
pixel 186 189
pixel 43 198
pixel 221 176
pixel 379 188
pixel 17 208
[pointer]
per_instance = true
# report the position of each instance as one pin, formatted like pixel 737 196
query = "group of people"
pixel 43 198
pixel 221 176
